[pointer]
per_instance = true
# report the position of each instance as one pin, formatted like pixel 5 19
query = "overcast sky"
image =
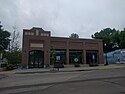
pixel 63 17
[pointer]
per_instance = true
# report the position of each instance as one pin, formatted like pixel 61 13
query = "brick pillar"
pixel 100 53
pixel 25 57
pixel 46 57
pixel 25 51
pixel 84 51
pixel 67 56
pixel 83 56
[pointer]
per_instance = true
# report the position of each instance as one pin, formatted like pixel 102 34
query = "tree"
pixel 14 54
pixel 122 39
pixel 110 39
pixel 74 36
pixel 15 40
pixel 13 57
pixel 52 56
pixel 115 37
pixel 4 39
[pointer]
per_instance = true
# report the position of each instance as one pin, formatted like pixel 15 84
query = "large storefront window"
pixel 36 59
pixel 60 56
pixel 92 57
pixel 75 55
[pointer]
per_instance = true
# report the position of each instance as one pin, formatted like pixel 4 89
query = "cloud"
pixel 63 17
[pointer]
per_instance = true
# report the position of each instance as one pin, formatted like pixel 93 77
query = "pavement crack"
pixel 114 83
pixel 79 76
pixel 63 82
pixel 23 92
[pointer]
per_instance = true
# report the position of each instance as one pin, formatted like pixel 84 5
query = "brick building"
pixel 37 44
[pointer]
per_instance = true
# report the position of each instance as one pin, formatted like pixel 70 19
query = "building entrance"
pixel 92 58
pixel 36 59
pixel 75 56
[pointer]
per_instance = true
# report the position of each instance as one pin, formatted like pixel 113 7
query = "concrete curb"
pixel 115 67
pixel 55 71
pixel 7 72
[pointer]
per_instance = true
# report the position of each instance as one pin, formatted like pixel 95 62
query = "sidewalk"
pixel 67 69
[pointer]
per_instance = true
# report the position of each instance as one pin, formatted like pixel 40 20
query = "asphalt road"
pixel 2 76
pixel 110 81
pixel 112 86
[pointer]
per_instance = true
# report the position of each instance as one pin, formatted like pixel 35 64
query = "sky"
pixel 63 17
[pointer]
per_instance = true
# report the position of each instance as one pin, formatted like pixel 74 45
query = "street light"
pixel 106 63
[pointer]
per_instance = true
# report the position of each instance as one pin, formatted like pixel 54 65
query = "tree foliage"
pixel 74 35
pixel 112 39
pixel 52 55
pixel 15 40
pixel 4 39
pixel 122 39
pixel 13 57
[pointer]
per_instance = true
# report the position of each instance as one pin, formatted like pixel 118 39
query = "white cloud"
pixel 63 17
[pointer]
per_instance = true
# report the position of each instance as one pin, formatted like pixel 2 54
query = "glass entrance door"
pixel 36 59
pixel 92 58
pixel 75 55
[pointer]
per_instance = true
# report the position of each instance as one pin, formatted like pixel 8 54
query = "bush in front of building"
pixel 13 58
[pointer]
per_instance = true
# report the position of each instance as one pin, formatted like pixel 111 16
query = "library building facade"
pixel 38 44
